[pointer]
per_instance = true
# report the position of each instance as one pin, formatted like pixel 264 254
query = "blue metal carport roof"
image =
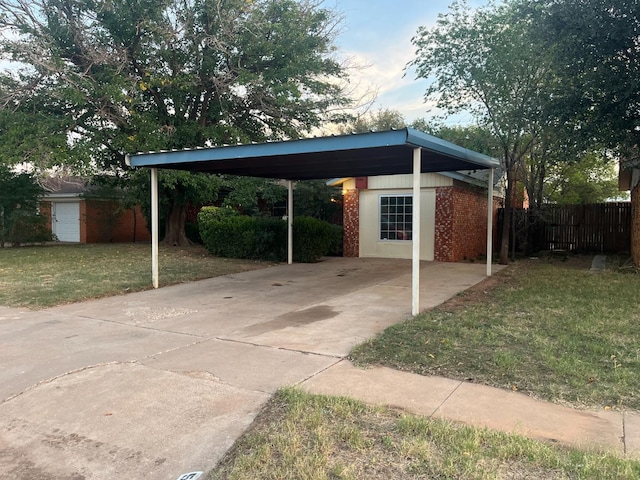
pixel 357 155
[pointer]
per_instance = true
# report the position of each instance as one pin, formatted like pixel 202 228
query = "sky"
pixel 377 33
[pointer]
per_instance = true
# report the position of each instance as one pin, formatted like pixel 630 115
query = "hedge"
pixel 225 233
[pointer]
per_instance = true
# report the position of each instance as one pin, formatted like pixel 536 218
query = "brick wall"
pixel 99 222
pixel 351 226
pixel 444 224
pixel 45 211
pixel 461 223
pixel 635 224
pixel 104 223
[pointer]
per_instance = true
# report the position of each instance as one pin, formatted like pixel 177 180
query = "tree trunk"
pixel 174 234
pixel 506 219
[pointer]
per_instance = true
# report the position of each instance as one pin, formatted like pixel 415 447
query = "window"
pixel 396 217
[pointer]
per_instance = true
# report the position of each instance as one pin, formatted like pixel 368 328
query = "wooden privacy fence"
pixel 600 227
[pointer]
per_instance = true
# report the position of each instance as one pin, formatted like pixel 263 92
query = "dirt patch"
pixel 477 293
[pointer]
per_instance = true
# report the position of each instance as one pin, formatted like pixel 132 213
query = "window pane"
pixel 395 217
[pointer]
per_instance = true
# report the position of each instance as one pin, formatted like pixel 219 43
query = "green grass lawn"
pixel 301 436
pixel 549 328
pixel 42 276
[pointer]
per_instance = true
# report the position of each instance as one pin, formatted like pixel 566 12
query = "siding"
pixel 427 180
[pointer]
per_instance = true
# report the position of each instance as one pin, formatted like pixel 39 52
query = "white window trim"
pixel 379 229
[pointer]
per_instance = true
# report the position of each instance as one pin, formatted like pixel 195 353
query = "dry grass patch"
pixel 43 276
pixel 302 436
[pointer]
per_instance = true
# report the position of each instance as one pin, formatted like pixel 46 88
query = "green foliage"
pixel 251 195
pixel 122 77
pixel 596 56
pixel 231 235
pixel 271 239
pixel 484 61
pixel 474 137
pixel 593 179
pixel 146 75
pixel 312 239
pixel 314 198
pixel 19 218
pixel 378 121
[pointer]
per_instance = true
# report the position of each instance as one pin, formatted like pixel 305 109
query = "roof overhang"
pixel 357 155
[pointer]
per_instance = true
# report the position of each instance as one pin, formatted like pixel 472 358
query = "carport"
pixel 405 151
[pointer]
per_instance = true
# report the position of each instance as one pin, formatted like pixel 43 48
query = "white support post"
pixel 490 221
pixel 415 237
pixel 290 222
pixel 154 227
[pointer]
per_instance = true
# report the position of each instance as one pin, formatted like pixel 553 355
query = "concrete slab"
pixel 383 386
pixel 41 345
pixel 157 383
pixel 598 263
pixel 250 367
pixel 506 411
pixel 632 435
pixel 122 421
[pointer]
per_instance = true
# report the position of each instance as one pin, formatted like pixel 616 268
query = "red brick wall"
pixel 100 224
pixel 351 223
pixel 461 223
pixel 635 224
pixel 443 242
pixel 45 211
pixel 105 224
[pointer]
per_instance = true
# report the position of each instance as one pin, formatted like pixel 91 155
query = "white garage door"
pixel 65 221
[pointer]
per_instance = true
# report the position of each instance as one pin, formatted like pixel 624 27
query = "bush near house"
pixel 226 233
pixel 20 221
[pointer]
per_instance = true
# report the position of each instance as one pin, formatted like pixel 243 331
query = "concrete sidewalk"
pixel 482 406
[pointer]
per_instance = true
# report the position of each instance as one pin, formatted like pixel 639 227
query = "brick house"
pixel 377 216
pixel 77 213
pixel 629 180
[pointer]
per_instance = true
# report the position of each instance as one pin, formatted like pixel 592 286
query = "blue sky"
pixel 378 33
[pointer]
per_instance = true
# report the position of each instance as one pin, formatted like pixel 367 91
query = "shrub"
pixel 336 248
pixel 312 238
pixel 231 235
pixel 29 229
pixel 270 239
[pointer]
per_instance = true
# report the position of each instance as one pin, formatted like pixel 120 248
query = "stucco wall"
pixel 370 243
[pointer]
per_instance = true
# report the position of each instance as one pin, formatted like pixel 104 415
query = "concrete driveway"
pixel 158 383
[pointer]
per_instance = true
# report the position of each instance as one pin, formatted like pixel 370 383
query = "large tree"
pixel 483 61
pixel 137 75
pixel 595 45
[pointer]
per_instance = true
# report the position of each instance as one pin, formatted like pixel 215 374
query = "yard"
pixel 547 327
pixel 43 276
pixel 319 438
